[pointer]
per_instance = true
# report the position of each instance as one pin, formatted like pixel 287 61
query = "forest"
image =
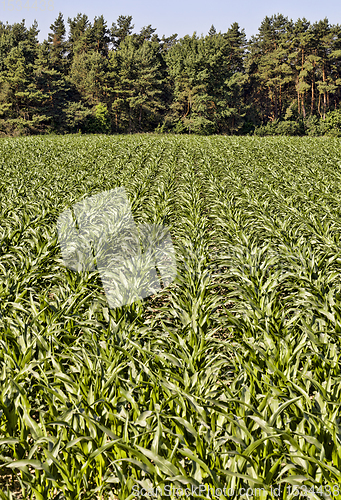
pixel 89 77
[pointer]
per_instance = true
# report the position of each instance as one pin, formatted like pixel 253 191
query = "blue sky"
pixel 175 16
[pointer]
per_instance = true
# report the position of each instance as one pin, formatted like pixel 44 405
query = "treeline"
pixel 284 80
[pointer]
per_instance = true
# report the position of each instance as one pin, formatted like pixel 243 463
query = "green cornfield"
pixel 229 378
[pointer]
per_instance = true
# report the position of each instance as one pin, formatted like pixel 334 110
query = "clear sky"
pixel 172 16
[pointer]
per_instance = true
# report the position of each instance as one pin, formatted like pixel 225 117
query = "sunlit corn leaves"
pixel 228 375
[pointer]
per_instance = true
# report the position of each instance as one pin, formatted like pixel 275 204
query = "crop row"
pixel 229 377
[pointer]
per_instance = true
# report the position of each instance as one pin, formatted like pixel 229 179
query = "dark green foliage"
pixel 280 128
pixel 76 117
pixel 121 30
pixel 332 123
pixel 136 90
pixel 285 80
pixel 58 45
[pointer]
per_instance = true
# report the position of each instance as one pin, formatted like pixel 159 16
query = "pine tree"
pixel 17 92
pixel 52 88
pixel 212 31
pixel 269 66
pixel 301 42
pixel 57 44
pixel 167 43
pixel 327 49
pixel 89 68
pixel 80 36
pixel 88 74
pixel 120 30
pixel 100 36
pixel 187 63
pixel 137 85
pixel 146 33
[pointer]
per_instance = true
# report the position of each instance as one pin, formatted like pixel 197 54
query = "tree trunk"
pixel 303 107
pixel 188 100
pixel 324 105
pixel 312 92
pixel 302 96
pixel 280 100
pixel 324 94
pixel 272 109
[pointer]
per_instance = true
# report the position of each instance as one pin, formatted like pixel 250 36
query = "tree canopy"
pixel 95 78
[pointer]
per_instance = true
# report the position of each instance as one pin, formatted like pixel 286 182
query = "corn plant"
pixel 229 377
